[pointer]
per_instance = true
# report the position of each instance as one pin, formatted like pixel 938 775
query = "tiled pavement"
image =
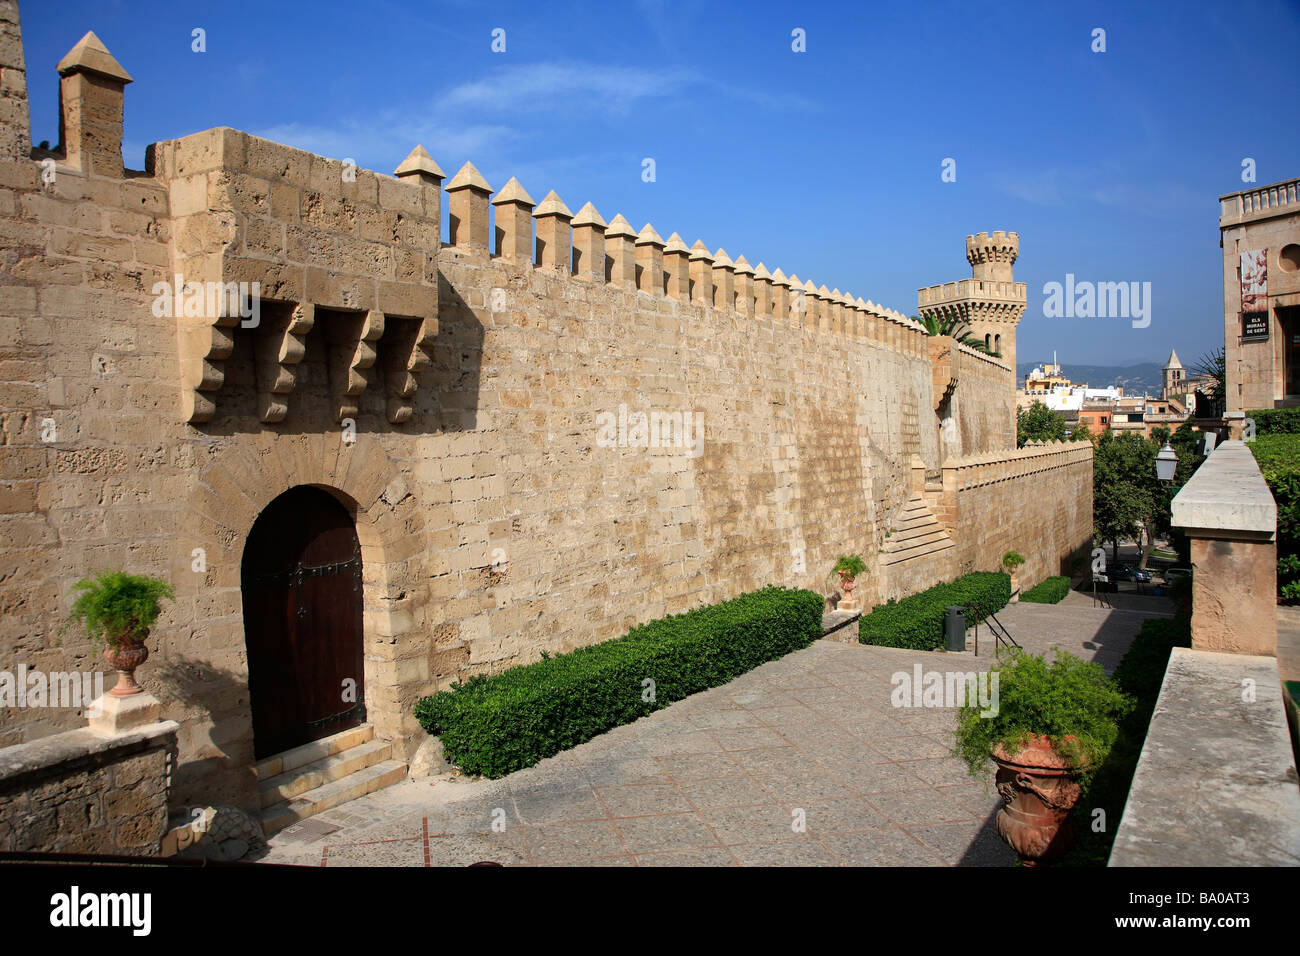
pixel 722 778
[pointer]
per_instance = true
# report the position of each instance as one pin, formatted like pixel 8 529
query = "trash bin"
pixel 954 628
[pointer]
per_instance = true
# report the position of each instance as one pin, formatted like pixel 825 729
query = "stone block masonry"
pixel 455 396
pixel 83 792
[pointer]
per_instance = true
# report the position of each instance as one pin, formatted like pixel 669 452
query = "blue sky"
pixel 824 163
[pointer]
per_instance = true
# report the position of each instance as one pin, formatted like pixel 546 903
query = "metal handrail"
pixel 1001 636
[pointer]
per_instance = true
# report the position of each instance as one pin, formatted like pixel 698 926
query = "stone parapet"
pixel 1230 517
pixel 84 792
pixel 1216 782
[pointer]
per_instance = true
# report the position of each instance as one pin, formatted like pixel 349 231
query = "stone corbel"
pixel 406 350
pixel 204 349
pixel 281 344
pixel 352 354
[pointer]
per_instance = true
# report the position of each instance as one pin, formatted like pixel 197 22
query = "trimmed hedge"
pixel 1276 421
pixel 502 723
pixel 917 621
pixel 1048 591
pixel 1278 456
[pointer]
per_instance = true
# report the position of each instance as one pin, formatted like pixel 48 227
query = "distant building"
pixel 1178 386
pixel 1046 383
pixel 1259 232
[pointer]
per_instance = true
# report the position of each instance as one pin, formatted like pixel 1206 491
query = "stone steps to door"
pixel 310 779
pixel 308 753
pixel 287 785
pixel 367 780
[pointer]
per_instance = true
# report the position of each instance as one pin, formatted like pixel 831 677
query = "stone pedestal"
pixel 109 715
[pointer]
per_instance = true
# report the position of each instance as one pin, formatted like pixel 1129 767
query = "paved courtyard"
pixel 802 761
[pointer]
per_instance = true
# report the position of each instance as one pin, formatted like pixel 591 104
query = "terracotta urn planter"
pixel 124 656
pixel 1040 787
pixel 848 602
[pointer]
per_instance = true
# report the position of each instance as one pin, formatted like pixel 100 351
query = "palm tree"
pixel 955 326
pixel 1212 365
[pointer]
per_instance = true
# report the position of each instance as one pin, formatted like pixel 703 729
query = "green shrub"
pixel 117 607
pixel 917 621
pixel 1276 421
pixel 1071 702
pixel 495 725
pixel 1139 676
pixel 1012 560
pixel 1278 456
pixel 850 564
pixel 1048 591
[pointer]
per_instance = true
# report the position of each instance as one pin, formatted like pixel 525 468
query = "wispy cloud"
pixel 566 86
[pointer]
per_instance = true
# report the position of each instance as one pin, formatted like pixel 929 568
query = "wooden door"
pixel 301 582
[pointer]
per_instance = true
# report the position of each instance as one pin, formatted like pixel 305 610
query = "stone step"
pixel 932 545
pixel 289 784
pixel 316 750
pixel 919 531
pixel 311 802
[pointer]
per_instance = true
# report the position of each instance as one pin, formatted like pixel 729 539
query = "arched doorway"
pixel 301 582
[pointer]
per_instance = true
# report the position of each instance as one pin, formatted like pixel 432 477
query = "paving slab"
pixel 802 761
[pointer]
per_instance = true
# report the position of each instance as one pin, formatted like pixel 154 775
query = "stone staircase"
pixel 917 535
pixel 310 779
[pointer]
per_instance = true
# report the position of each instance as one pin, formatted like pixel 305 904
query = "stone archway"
pixel 238 478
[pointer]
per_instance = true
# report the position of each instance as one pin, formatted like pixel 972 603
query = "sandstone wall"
pixel 457 402
pixel 1037 501
pixel 78 792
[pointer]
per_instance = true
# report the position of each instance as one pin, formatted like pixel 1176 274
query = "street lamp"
pixel 1166 463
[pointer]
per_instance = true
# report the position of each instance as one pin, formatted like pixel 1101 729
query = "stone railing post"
pixel 1229 514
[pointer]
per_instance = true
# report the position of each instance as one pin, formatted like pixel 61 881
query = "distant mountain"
pixel 1136 379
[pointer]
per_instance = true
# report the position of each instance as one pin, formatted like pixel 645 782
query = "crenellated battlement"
pixel 992 256
pixel 615 254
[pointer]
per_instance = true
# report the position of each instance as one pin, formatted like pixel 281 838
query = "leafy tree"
pixel 1038 423
pixel 1127 496
pixel 1081 432
pixel 1124 487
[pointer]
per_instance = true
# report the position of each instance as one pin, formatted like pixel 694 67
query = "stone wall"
pixel 1037 501
pixel 80 792
pixel 473 405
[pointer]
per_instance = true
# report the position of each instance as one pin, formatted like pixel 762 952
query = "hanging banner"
pixel 1254 281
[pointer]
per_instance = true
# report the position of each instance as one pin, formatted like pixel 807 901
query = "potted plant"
pixel 1010 562
pixel 1046 727
pixel 119 609
pixel 848 567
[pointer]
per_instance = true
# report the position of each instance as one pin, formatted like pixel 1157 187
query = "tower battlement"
pixel 992 256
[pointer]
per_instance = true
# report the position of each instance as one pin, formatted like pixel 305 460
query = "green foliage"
pixel 1038 423
pixel 1071 702
pixel 117 607
pixel 1278 456
pixel 495 725
pixel 850 564
pixel 1012 560
pixel 1213 366
pixel 1275 421
pixel 1139 676
pixel 1048 591
pixel 917 621
pixel 1126 494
